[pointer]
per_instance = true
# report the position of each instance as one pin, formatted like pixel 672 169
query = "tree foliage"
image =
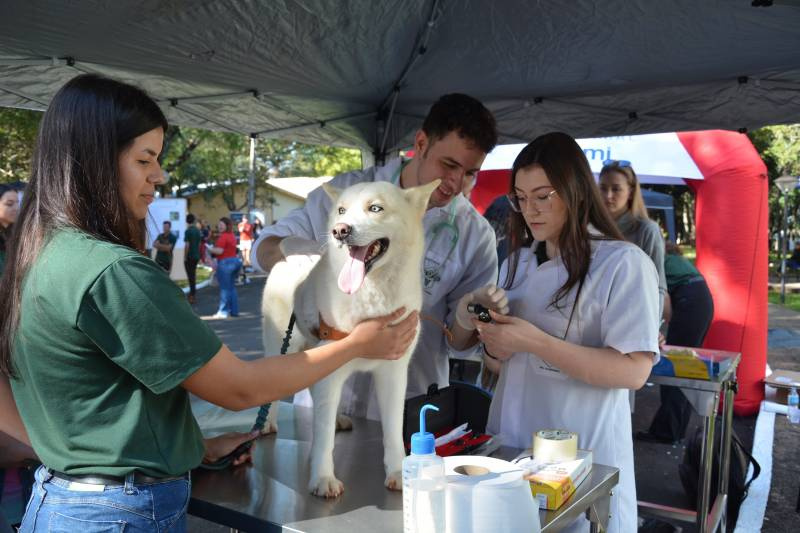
pixel 779 147
pixel 17 139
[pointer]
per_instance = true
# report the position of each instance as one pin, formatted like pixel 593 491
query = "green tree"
pixel 18 129
pixel 779 147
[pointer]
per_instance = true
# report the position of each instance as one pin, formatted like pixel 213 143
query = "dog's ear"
pixel 419 196
pixel 331 191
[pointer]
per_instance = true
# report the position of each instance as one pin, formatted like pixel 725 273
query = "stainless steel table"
pixel 272 495
pixel 704 396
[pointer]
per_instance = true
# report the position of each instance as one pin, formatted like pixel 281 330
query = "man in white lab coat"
pixel 460 258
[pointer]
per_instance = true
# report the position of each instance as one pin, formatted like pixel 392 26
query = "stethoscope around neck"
pixel 440 233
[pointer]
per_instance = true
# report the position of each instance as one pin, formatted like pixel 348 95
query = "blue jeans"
pixel 55 506
pixel 227 269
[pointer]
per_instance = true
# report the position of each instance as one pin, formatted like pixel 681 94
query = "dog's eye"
pixel 342 210
pixel 375 208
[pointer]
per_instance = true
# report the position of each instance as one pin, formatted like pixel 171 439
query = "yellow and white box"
pixel 552 483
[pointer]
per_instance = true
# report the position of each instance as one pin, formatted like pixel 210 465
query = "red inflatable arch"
pixel 731 217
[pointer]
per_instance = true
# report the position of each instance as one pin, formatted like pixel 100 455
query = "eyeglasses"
pixel 619 163
pixel 542 203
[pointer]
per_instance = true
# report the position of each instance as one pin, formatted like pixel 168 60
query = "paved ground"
pixel 656 473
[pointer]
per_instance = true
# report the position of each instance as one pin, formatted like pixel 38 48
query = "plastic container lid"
pixel 422 442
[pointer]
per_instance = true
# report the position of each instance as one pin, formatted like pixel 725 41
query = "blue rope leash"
pixel 261 418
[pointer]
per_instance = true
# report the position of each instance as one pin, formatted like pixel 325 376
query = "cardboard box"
pixel 781 381
pixel 553 483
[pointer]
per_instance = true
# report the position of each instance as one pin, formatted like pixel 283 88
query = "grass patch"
pixel 792 299
pixel 203 273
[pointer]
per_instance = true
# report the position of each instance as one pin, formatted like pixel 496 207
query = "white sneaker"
pixel 219 316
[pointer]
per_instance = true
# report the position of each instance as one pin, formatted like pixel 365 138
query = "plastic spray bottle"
pixel 423 483
pixel 794 408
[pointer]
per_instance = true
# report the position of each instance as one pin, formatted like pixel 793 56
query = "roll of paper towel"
pixel 555 445
pixel 488 494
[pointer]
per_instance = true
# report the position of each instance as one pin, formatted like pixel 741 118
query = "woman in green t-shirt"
pixel 100 348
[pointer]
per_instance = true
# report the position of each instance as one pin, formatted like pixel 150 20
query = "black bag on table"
pixel 738 484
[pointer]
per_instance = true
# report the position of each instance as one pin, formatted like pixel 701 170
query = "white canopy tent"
pixel 363 73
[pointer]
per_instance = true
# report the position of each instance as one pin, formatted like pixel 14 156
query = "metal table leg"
pixel 706 469
pixel 599 513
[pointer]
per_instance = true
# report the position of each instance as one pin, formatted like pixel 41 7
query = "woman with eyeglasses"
pixel 623 198
pixel 582 327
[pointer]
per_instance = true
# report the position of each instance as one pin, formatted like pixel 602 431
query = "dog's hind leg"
pixel 325 394
pixel 390 386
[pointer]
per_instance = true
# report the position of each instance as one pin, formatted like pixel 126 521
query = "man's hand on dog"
pixel 490 296
pixel 377 338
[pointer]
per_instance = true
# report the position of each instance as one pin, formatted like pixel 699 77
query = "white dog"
pixel 371 266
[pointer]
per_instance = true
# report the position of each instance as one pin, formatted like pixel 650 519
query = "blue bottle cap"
pixel 422 442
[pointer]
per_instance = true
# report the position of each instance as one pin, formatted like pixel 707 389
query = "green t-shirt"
pixel 679 270
pixel 192 237
pixel 165 258
pixel 104 341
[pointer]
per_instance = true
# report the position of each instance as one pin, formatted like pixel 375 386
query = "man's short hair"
pixel 466 116
pixel 168 223
pixel 190 218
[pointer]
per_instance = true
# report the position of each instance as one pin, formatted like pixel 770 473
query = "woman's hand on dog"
pixel 378 338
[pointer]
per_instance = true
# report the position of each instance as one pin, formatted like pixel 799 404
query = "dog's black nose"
pixel 341 231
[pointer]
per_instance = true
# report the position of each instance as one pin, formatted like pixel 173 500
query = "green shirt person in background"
pixel 192 237
pixel 164 245
pixel 99 347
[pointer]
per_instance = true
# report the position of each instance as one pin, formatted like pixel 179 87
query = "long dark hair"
pixel 228 224
pixel 569 173
pixel 75 181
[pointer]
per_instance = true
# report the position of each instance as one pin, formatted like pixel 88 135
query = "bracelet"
pixel 488 354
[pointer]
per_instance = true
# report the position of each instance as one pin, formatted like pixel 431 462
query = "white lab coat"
pixel 472 264
pixel 618 308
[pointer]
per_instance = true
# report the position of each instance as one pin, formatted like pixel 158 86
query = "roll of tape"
pixel 488 494
pixel 555 445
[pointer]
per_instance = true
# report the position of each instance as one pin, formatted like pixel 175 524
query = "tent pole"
pixel 318 123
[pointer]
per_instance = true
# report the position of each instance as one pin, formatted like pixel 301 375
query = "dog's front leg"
pixel 390 386
pixel 325 395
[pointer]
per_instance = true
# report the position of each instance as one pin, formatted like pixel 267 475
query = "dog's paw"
pixel 326 487
pixel 343 422
pixel 394 481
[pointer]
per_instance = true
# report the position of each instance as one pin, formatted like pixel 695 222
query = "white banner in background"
pixel 172 209
pixel 656 158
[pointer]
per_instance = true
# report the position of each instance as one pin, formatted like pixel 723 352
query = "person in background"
pixel 98 380
pixel 192 237
pixel 623 198
pixel 245 241
pixel 583 322
pixel 794 261
pixel 15 479
pixel 691 312
pixel 164 245
pixel 228 265
pixel 258 227
pixel 9 210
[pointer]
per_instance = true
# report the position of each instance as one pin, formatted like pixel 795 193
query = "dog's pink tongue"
pixel 352 275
